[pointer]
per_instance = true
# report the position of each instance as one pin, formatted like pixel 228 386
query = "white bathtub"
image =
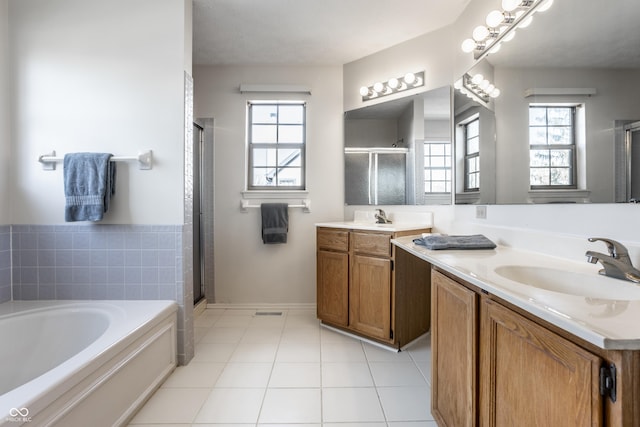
pixel 77 363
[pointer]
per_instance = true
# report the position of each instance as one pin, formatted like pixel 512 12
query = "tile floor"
pixel 260 370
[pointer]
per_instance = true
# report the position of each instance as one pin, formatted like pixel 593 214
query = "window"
pixel 552 143
pixel 276 140
pixel 472 155
pixel 437 167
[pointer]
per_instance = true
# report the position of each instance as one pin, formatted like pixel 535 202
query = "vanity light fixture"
pixel 393 85
pixel 477 88
pixel 500 26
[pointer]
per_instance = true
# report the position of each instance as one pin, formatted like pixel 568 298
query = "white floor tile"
pixel 288 375
pixel 226 321
pixel 329 335
pixel 301 320
pixel 301 335
pixel 268 322
pixel 282 425
pixel 346 374
pixel 354 425
pixel 245 375
pixel 420 349
pixel 195 375
pixel 255 352
pixel 266 372
pixel 264 335
pixel 406 403
pixel 208 352
pixel 172 405
pixel 298 405
pixel 351 405
pixel 377 354
pixel 224 335
pixel 349 351
pixel 412 424
pixel 388 374
pixel 298 353
pixel 162 425
pixel 198 333
pixel 236 405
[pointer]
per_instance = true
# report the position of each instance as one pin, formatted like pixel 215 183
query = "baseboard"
pixel 259 306
pixel 199 308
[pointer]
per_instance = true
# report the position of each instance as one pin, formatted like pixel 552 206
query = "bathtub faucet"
pixel 617 264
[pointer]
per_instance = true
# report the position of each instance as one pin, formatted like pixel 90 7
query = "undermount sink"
pixel 572 283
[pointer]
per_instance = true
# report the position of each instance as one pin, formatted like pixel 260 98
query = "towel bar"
pixel 305 205
pixel 144 159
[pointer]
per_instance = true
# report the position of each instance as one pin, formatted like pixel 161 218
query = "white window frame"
pixel 252 145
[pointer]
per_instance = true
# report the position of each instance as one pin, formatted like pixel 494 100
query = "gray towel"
pixel 275 222
pixel 437 242
pixel 89 184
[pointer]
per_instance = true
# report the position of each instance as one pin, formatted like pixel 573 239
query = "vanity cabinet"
pixel 454 352
pixel 333 276
pixel 359 291
pixel 494 364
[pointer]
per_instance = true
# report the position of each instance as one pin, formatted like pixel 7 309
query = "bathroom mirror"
pixel 577 64
pixel 399 152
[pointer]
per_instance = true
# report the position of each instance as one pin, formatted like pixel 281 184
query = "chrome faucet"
pixel 381 217
pixel 617 264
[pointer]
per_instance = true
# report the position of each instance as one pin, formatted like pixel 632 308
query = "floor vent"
pixel 268 313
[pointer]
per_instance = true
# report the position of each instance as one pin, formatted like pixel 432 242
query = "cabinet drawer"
pixel 337 240
pixel 371 243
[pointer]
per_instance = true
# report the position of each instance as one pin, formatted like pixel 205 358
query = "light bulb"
pixel 409 78
pixel 393 83
pixel 477 79
pixel 494 18
pixel 480 33
pixel 458 84
pixel 510 5
pixel 468 45
pixel 526 22
pixel 364 91
pixel 495 93
pixel 378 87
pixel 484 84
pixel 545 5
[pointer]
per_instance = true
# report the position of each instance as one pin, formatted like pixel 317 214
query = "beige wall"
pixel 103 76
pixel 5 134
pixel 246 270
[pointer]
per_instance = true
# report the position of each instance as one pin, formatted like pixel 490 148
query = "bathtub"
pixel 79 363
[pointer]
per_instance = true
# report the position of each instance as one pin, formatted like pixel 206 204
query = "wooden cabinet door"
pixel 333 287
pixel 530 376
pixel 370 296
pixel 454 331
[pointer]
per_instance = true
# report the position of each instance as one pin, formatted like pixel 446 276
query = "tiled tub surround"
pixel 103 262
pixel 5 263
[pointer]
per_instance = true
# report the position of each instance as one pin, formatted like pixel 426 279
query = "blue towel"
pixel 89 184
pixel 437 242
pixel 275 222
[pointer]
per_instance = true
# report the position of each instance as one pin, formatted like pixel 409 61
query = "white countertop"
pixel 609 323
pixel 393 227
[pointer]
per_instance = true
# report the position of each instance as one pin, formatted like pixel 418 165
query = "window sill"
pixel 468 198
pixel 559 196
pixel 275 194
pixel 299 197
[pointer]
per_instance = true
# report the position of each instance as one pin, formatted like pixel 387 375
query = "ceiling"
pixel 310 32
pixel 577 33
pixel 573 33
